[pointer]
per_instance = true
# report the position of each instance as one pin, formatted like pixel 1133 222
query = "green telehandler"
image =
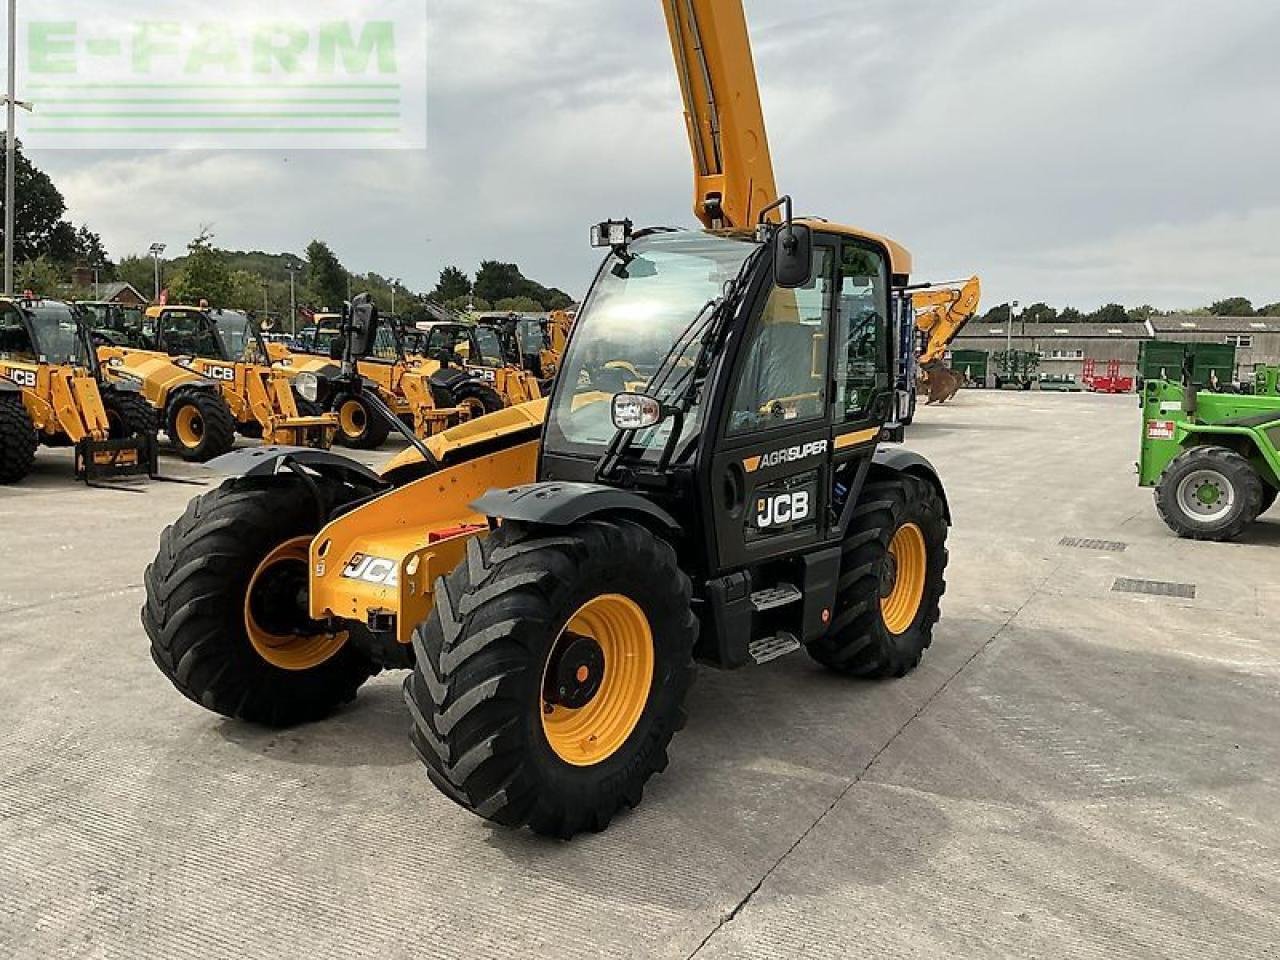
pixel 1212 458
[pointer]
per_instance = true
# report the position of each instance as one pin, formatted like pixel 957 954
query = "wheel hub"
pixel 1206 495
pixel 277 615
pixel 575 673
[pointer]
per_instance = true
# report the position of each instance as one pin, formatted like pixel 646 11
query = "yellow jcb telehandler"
pixel 52 392
pixel 551 572
pixel 429 394
pixel 180 351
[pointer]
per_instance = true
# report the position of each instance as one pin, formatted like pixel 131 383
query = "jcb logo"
pixel 782 509
pixel 483 373
pixel 23 378
pixel 369 569
pixel 225 374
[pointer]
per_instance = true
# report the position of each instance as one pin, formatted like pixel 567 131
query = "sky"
pixel 1076 152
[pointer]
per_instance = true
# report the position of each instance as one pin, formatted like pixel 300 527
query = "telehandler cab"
pixel 711 479
pixel 52 392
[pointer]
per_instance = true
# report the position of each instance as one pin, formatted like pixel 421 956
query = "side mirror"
pixel 793 256
pixel 363 325
pixel 636 411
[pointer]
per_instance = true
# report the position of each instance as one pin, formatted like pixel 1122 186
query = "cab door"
pixel 770 477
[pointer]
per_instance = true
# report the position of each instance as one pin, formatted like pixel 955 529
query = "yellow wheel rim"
pixel 472 409
pixel 910 560
pixel 189 425
pixel 272 605
pixel 618 680
pixel 352 418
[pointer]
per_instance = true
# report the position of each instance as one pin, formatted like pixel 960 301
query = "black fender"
pixel 901 460
pixel 269 461
pixel 557 504
pixel 8 386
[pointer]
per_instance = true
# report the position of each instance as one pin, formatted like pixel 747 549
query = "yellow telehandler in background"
pixel 52 392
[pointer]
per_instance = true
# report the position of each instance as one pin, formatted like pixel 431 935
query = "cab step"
pixel 771 648
pixel 783 595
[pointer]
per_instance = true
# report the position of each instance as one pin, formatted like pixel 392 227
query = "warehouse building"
pixel 1064 347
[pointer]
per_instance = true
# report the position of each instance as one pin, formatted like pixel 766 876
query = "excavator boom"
pixel 942 311
pixel 732 169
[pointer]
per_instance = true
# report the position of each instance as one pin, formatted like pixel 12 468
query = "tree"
pixel 468 303
pixel 40 276
pixel 1070 315
pixel 1270 310
pixel 1111 313
pixel 90 252
pixel 245 291
pixel 139 272
pixel 1039 313
pixel 204 274
pixel 497 281
pixel 40 229
pixel 518 305
pixel 326 282
pixel 1143 313
pixel 1233 307
pixel 453 284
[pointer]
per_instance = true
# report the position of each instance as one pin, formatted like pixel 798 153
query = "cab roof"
pixel 900 262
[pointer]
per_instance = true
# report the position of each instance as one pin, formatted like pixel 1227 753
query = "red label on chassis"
pixel 1160 430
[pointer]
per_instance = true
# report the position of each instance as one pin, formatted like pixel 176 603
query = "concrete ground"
pixel 1072 772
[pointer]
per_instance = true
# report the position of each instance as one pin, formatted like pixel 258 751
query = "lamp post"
pixel 293 269
pixel 266 306
pixel 12 103
pixel 156 250
pixel 393 297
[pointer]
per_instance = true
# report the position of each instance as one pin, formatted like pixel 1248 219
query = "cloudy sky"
pixel 1074 152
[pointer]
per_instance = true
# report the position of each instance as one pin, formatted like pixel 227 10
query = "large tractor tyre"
pixel 200 426
pixel 1268 499
pixel 226 606
pixel 892 578
pixel 551 676
pixel 360 426
pixel 1209 493
pixel 476 398
pixel 18 439
pixel 129 416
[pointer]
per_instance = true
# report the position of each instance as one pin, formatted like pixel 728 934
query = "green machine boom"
pixel 1212 458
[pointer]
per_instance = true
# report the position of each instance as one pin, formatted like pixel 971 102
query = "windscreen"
pixel 56 332
pixel 635 315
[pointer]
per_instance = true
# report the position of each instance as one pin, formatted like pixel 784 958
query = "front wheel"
pixel 129 415
pixel 476 398
pixel 18 438
pixel 551 675
pixel 200 425
pixel 1209 493
pixel 226 607
pixel 892 578
pixel 360 426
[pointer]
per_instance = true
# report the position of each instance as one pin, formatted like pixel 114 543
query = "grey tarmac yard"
pixel 1073 772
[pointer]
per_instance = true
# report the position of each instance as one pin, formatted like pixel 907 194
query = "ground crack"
pixel 732 915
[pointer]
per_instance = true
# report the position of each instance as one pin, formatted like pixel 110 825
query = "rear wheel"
pixel 1209 493
pixel 18 439
pixel 360 426
pixel 892 579
pixel 476 398
pixel 200 425
pixel 227 612
pixel 129 415
pixel 552 673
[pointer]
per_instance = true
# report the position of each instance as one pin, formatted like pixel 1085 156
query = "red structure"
pixel 1110 382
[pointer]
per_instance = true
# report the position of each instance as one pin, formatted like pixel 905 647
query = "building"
pixel 1064 347
pixel 122 293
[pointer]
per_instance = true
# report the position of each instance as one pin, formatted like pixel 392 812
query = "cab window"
pixel 189 333
pixel 490 347
pixel 784 378
pixel 15 342
pixel 862 332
